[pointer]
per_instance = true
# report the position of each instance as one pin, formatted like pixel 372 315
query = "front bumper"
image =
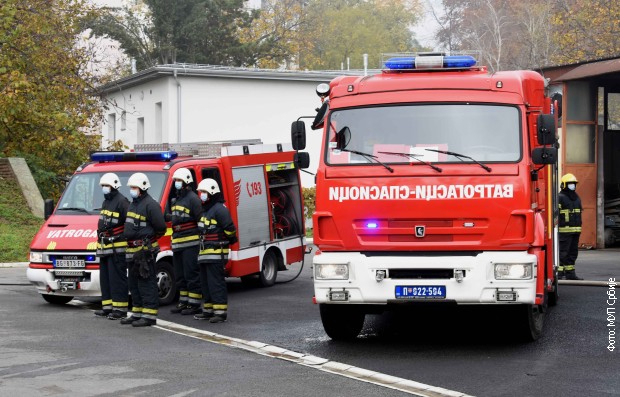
pixel 63 282
pixel 476 286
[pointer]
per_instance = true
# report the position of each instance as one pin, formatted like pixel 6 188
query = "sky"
pixel 425 30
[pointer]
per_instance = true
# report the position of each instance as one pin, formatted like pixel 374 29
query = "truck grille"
pixel 421 273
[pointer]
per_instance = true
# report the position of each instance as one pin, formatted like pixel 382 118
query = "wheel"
pixel 166 283
pixel 269 269
pixel 57 299
pixel 531 319
pixel 341 322
pixel 554 295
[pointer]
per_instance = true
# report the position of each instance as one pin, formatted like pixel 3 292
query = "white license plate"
pixel 70 263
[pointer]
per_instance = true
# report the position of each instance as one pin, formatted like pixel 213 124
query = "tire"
pixel 269 269
pixel 532 320
pixel 554 295
pixel 57 299
pixel 166 284
pixel 342 322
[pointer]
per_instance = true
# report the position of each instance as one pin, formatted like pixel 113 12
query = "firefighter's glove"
pixel 232 240
pixel 107 240
pixel 141 264
pixel 144 270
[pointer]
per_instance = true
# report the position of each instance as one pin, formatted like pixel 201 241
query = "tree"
pixel 275 37
pixel 189 31
pixel 586 30
pixel 46 101
pixel 346 29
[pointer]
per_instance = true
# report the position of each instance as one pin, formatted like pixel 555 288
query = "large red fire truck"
pixel 436 184
pixel 261 186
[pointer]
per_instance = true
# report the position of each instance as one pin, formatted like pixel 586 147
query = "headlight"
pixel 331 272
pixel 513 271
pixel 36 257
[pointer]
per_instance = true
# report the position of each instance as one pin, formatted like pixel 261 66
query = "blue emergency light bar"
pixel 431 62
pixel 103 157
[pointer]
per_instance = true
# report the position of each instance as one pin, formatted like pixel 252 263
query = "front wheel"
pixel 166 283
pixel 269 270
pixel 57 299
pixel 342 322
pixel 532 320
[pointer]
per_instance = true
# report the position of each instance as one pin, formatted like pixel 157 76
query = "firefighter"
pixel 569 228
pixel 111 246
pixel 144 224
pixel 185 214
pixel 218 233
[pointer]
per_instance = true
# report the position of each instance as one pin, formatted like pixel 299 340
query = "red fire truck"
pixel 436 184
pixel 261 186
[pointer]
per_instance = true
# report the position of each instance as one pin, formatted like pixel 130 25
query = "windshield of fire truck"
pixel 394 134
pixel 83 194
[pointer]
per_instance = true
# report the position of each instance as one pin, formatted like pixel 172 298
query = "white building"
pixel 190 103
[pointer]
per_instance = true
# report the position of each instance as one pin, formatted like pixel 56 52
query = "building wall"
pixel 213 109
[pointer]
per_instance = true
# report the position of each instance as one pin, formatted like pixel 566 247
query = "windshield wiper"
pixel 415 157
pixel 461 157
pixel 74 209
pixel 368 157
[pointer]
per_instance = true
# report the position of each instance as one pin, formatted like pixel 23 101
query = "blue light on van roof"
pixel 103 157
pixel 426 62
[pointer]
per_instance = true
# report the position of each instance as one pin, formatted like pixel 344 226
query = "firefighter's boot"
pixel 102 312
pixel 191 309
pixel 218 318
pixel 144 322
pixel 561 275
pixel 129 320
pixel 117 315
pixel 205 315
pixel 178 308
pixel 572 275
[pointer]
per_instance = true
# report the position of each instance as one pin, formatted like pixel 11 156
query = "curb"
pixel 14 264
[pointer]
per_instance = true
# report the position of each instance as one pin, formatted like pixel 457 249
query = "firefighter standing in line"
pixel 569 228
pixel 218 232
pixel 111 249
pixel 143 226
pixel 186 212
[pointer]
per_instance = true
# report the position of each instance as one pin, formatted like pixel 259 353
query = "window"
pixel 112 127
pixel 406 133
pixel 140 132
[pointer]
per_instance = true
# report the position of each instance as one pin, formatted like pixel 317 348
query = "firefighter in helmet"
pixel 569 227
pixel 111 246
pixel 144 224
pixel 185 214
pixel 218 233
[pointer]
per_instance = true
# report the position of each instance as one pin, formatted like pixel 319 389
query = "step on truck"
pixel 261 186
pixel 436 185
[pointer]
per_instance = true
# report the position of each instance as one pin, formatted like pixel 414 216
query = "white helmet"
pixel 110 179
pixel 209 185
pixel 184 175
pixel 139 180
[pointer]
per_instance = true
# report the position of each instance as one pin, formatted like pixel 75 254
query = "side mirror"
pixel 557 97
pixel 320 116
pixel 298 135
pixel 48 208
pixel 546 129
pixel 302 160
pixel 545 155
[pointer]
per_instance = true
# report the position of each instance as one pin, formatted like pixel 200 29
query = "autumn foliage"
pixel 47 106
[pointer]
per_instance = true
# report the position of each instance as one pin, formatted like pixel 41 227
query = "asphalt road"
pixel 51 350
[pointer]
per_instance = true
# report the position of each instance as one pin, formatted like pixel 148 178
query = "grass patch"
pixel 17 224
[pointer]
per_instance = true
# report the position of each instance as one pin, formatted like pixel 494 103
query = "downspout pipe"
pixel 179 137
